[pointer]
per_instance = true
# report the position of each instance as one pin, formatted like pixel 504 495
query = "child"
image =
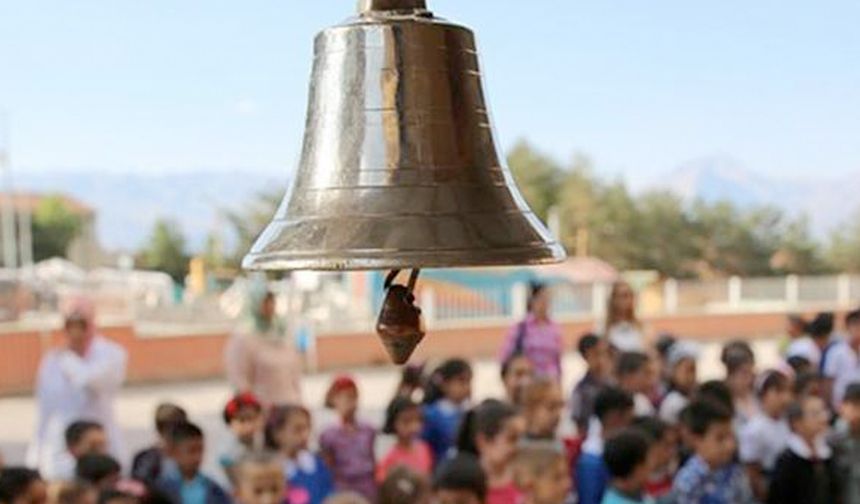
pixel 404 486
pixel 100 471
pixel 842 358
pixel 460 480
pixel 805 472
pixel 541 472
pixel 595 351
pixel 491 431
pixel 72 493
pixel 147 464
pixel 517 372
pixel 259 479
pixel 626 457
pixel 445 401
pixel 404 419
pixel 348 447
pixel 663 450
pixel 710 475
pixel 765 436
pixel 635 374
pixel 739 360
pixel 288 430
pixel 19 485
pixel 83 437
pixel 243 415
pixel 681 369
pixel 181 478
pixel 411 381
pixel 613 411
pixel 846 444
pixel 541 405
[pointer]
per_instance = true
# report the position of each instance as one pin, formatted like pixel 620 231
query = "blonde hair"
pixel 614 316
pixel 533 460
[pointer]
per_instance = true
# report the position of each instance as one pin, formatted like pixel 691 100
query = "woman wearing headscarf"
pixel 261 357
pixel 77 381
pixel 537 336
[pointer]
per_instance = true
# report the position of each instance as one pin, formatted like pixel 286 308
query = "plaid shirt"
pixel 697 483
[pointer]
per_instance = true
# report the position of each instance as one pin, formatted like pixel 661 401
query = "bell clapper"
pixel 400 324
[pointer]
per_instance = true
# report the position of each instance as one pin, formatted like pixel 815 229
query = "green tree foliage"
pixel 55 226
pixel 248 222
pixel 844 250
pixel 537 176
pixel 165 250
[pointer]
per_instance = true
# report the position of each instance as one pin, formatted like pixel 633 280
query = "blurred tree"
pixel 843 251
pixel 664 235
pixel 55 226
pixel 798 252
pixel 166 250
pixel 537 176
pixel 248 222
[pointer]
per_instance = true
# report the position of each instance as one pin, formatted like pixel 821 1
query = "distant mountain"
pixel 827 202
pixel 127 205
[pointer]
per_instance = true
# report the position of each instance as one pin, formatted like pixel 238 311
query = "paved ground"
pixel 204 400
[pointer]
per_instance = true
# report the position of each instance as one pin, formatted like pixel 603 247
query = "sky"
pixel 641 87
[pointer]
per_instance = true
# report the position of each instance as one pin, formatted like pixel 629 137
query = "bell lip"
pixel 549 253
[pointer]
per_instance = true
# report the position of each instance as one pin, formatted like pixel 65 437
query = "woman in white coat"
pixel 77 381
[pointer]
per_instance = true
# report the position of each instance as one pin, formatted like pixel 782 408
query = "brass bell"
pixel 399 167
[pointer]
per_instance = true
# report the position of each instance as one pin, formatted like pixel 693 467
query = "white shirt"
pixel 670 408
pixel 762 440
pixel 642 405
pixel 806 348
pixel 625 336
pixel 70 388
pixel 841 367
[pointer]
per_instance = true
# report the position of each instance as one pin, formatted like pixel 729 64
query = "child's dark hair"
pixel 76 431
pixel 795 410
pixel 184 431
pixel 586 342
pixel 852 317
pixel 402 486
pixel 448 370
pixel 94 468
pixel 462 472
pixel 14 482
pixel 72 492
pixel 253 458
pixel 535 289
pixel 821 326
pixel 487 419
pixel 626 451
pixel 799 364
pixel 665 342
pixel 610 399
pixel 771 380
pixel 239 402
pixel 735 355
pixel 717 391
pixel 397 406
pixel 803 381
pixel 652 426
pixel 113 494
pixel 412 376
pixel 506 364
pixel 629 363
pixel 701 414
pixel 279 416
pixel 852 393
pixel 167 415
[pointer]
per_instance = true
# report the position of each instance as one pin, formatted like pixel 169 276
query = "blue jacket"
pixel 441 423
pixel 310 473
pixel 171 486
pixel 592 477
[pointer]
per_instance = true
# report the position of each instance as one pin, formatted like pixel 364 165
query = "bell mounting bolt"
pixel 400 325
pixel 365 6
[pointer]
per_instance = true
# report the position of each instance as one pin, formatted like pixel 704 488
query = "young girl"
pixel 404 419
pixel 681 364
pixel 445 400
pixel 348 447
pixel 517 372
pixel 739 360
pixel 491 431
pixel 541 405
pixel 243 415
pixel 541 472
pixel 287 431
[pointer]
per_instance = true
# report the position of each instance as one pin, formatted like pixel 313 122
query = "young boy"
pixel 83 437
pixel 541 474
pixel 147 463
pixel 846 444
pixel 765 436
pixel 613 410
pixel 842 359
pixel 626 456
pixel 635 374
pixel 662 453
pixel 805 472
pixel 20 485
pixel 181 479
pixel 460 480
pixel 542 404
pixel 710 475
pixel 595 351
pixel 243 415
pixel 100 471
pixel 259 479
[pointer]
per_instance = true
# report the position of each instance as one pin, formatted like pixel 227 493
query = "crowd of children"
pixel 643 429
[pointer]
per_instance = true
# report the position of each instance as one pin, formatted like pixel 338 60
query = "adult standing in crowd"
pixel 537 336
pixel 78 381
pixel 261 356
pixel 623 329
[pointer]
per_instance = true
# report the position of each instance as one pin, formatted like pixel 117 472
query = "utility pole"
pixel 7 221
